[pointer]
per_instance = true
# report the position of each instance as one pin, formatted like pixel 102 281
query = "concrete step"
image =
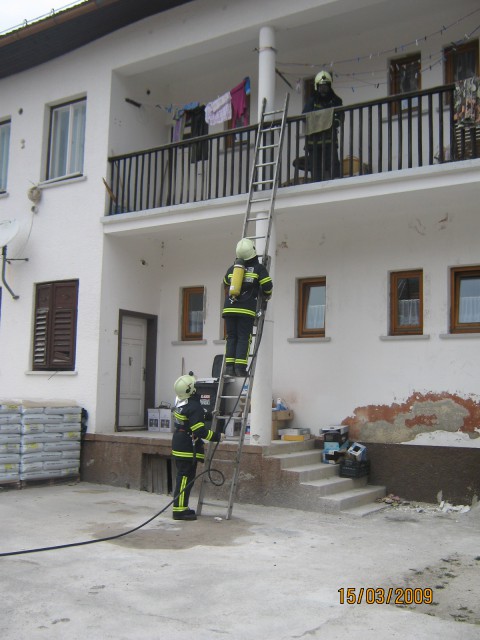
pixel 335 484
pixel 352 498
pixel 316 471
pixel 279 447
pixel 365 509
pixel 299 458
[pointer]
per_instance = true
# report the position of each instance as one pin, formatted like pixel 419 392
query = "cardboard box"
pixel 300 437
pixel 160 420
pixel 357 452
pixel 335 434
pixel 333 456
pixel 336 446
pixel 280 420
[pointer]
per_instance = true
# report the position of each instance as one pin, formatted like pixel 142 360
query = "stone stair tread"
pixel 365 509
pixel 368 489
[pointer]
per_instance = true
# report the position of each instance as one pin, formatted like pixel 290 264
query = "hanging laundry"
pixel 240 115
pixel 467 102
pixel 219 110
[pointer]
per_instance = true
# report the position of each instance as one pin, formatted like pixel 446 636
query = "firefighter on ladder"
pixel 243 282
pixel 187 445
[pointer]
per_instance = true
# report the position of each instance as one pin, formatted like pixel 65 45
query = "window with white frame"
pixel 66 140
pixel 4 153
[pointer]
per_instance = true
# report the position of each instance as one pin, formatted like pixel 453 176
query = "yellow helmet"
pixel 246 249
pixel 323 77
pixel 184 386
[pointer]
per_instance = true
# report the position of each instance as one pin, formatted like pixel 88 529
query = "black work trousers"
pixel 186 470
pixel 322 160
pixel 239 336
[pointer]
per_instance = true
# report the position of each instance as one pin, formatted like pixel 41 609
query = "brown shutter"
pixel 55 325
pixel 64 323
pixel 40 338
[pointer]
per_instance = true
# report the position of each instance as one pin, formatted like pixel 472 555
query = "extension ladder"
pixel 256 226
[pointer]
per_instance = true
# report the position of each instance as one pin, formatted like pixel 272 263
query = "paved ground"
pixel 266 574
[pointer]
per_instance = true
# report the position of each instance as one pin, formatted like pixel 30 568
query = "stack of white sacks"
pixel 40 439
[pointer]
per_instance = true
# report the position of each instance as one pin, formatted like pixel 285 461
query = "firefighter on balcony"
pixel 321 129
pixel 187 445
pixel 244 280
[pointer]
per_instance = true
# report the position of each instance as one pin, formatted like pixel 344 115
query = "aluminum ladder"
pixel 260 207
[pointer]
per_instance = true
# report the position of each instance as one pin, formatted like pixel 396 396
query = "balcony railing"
pixel 401 132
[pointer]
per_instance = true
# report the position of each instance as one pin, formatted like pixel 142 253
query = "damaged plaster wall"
pixel 420 413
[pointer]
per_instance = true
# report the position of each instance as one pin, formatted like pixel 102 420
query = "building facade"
pixel 128 226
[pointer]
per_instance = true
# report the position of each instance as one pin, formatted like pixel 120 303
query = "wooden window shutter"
pixel 55 325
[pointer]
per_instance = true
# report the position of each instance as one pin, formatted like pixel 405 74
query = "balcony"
pixel 399 132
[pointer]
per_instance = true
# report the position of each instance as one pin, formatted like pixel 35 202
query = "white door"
pixel 132 372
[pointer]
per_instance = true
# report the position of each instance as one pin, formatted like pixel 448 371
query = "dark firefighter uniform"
pixel 187 447
pixel 239 313
pixel 322 148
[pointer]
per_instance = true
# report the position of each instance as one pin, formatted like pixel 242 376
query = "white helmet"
pixel 184 386
pixel 246 249
pixel 323 77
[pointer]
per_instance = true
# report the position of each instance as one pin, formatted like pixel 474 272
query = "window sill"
pixel 50 374
pixel 219 342
pixel 455 336
pixel 413 336
pixel 184 343
pixel 58 182
pixel 3 194
pixel 309 340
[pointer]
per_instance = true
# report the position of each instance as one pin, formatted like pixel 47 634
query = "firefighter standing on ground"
pixel 322 147
pixel 240 310
pixel 187 445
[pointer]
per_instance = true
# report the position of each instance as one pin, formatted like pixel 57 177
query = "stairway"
pixel 320 487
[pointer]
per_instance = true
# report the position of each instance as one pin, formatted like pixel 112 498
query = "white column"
pixel 266 68
pixel 261 418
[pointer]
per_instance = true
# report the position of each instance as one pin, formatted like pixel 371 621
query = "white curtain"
pixel 195 321
pixel 315 316
pixel 469 310
pixel 409 312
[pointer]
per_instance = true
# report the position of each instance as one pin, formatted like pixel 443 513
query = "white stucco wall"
pixel 352 239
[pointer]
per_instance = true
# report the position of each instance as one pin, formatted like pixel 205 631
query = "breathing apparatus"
pixel 245 250
pixel 237 278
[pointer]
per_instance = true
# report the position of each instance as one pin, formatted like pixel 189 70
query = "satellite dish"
pixel 8 230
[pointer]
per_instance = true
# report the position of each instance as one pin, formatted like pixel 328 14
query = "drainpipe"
pixel 261 418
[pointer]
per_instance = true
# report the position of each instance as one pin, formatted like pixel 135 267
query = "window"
pixel 4 153
pixel 311 307
pixel 55 325
pixel 461 61
pixel 465 300
pixel 66 140
pixel 406 303
pixel 404 77
pixel 192 313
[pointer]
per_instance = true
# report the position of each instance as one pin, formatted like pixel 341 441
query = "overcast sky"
pixel 14 12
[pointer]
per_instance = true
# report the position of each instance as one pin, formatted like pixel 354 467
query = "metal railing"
pixel 399 132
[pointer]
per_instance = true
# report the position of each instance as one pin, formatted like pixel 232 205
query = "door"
pixel 132 372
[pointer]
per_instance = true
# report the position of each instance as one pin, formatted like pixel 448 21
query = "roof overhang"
pixel 62 32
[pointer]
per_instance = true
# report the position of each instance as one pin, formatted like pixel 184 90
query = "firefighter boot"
pixel 230 370
pixel 188 514
pixel 241 370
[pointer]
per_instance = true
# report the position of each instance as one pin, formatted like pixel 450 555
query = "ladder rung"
pixel 264 164
pixel 271 113
pixel 268 146
pixel 258 219
pixel 268 129
pixel 261 200
pixel 264 181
